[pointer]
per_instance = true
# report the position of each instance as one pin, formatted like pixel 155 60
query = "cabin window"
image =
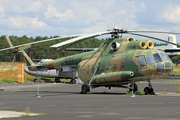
pixel 93 70
pixel 101 68
pixel 164 57
pixel 157 58
pixel 115 66
pixel 107 67
pixel 122 64
pixel 142 61
pixel 150 60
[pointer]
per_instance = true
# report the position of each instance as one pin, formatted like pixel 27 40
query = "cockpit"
pixel 163 62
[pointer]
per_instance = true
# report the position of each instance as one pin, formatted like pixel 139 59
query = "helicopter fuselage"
pixel 116 61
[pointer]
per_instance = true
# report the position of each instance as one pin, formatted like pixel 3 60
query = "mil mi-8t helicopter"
pixel 117 62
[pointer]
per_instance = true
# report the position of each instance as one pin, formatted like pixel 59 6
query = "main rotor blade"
pixel 153 38
pixel 69 45
pixel 39 42
pixel 80 38
pixel 154 32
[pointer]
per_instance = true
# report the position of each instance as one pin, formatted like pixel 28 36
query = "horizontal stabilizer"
pixel 172 50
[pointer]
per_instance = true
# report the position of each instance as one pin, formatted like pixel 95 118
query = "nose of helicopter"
pixel 165 67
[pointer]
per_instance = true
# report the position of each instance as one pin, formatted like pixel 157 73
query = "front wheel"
pixel 146 90
pixel 85 88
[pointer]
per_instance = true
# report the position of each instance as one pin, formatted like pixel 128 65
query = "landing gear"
pixel 35 80
pixel 149 90
pixel 57 80
pixel 85 88
pixel 73 81
pixel 135 87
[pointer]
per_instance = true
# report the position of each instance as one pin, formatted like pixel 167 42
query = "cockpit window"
pixel 157 58
pixel 150 60
pixel 142 61
pixel 164 57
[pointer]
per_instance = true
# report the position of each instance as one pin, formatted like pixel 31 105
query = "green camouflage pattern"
pixel 108 66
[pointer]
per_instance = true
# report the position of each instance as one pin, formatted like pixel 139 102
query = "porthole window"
pixel 93 70
pixel 107 67
pixel 115 66
pixel 122 64
pixel 101 68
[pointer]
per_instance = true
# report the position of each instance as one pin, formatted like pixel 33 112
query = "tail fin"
pixel 27 58
pixel 21 49
pixel 172 38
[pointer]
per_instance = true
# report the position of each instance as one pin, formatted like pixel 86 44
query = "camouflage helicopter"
pixel 118 62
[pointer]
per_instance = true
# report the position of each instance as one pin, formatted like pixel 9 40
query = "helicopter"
pixel 118 62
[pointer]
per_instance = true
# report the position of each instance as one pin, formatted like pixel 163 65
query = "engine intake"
pixel 115 46
pixel 141 45
pixel 150 44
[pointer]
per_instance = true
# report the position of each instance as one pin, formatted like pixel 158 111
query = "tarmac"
pixel 65 102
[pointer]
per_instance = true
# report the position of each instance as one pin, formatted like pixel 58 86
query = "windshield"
pixel 164 57
pixel 150 60
pixel 157 58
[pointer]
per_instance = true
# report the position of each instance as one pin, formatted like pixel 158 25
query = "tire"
pixel 85 88
pixel 73 81
pixel 57 80
pixel 151 91
pixel 135 88
pixel 146 90
pixel 35 80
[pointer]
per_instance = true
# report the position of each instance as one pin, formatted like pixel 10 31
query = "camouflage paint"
pixel 111 66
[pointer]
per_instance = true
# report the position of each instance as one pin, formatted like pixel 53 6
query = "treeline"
pixel 42 50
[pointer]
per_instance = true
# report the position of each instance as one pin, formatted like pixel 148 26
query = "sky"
pixel 70 17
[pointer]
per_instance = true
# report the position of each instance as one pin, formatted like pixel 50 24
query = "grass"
pixel 26 115
pixel 164 91
pixel 176 70
pixel 5 72
pixel 142 92
pixel 27 111
pixel 3 110
pixel 174 82
pixel 178 89
pixel 12 78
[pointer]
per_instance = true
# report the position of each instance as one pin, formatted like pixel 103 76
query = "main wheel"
pixel 57 80
pixel 151 91
pixel 35 80
pixel 73 81
pixel 135 88
pixel 146 90
pixel 85 88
